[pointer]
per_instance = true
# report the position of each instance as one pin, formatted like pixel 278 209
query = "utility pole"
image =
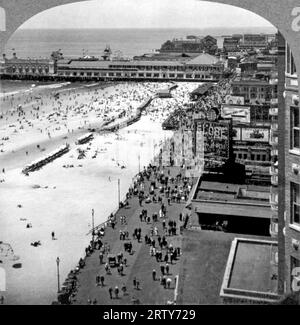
pixel 139 163
pixel 93 225
pixel 58 280
pixel 119 199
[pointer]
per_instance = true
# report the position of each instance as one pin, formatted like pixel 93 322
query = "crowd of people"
pixel 155 230
pixel 183 115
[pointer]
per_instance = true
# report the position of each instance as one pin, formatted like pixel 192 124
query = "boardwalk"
pixel 140 263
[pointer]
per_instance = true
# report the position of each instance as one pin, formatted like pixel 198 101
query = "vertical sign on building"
pixel 216 142
pixel 178 148
pixel 166 153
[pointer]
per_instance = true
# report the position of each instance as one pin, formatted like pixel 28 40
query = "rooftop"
pixel 202 89
pixel 251 271
pixel 204 58
pixel 204 258
pixel 221 198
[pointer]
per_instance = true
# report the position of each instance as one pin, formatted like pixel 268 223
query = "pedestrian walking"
pixel 110 290
pixel 97 280
pixel 137 285
pixel 124 289
pixel 167 268
pixel 166 259
pixel 162 269
pixel 164 282
pixel 169 281
pixel 134 282
pixel 102 280
pixel 154 275
pixel 101 258
pixel 117 292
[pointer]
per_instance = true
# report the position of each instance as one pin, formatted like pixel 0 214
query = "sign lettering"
pixel 296 21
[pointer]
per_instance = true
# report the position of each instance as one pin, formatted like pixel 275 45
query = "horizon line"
pixel 81 28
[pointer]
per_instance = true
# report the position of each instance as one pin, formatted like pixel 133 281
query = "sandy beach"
pixel 60 197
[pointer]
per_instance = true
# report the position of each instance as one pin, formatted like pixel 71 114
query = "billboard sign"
pixel 234 100
pixel 239 114
pixel 255 134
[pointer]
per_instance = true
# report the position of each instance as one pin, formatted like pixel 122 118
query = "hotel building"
pixel 291 216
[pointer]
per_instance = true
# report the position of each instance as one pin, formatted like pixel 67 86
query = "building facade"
pixel 202 68
pixel 20 68
pixel 251 41
pixel 292 176
pixel 254 91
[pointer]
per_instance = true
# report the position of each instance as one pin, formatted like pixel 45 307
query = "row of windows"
pixel 119 74
pixel 253 157
pixel 253 89
pixel 164 68
pixel 27 70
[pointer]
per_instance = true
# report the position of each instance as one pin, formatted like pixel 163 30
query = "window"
pixel 295 203
pixel 295 128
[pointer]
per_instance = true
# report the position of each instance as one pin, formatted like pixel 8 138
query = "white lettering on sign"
pixel 296 279
pixel 296 21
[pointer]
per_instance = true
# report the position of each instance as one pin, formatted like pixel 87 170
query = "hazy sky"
pixel 145 14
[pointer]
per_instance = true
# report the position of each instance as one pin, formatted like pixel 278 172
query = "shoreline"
pixel 46 195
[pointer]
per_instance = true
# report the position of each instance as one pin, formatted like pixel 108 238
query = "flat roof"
pixel 251 270
pixel 205 257
pixel 220 187
pixel 230 208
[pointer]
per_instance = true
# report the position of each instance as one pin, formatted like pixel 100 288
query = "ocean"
pixel 73 42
